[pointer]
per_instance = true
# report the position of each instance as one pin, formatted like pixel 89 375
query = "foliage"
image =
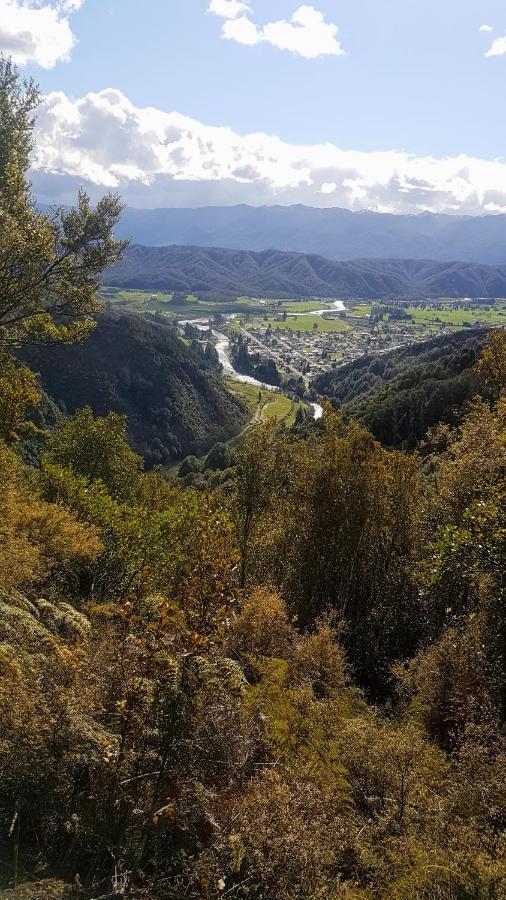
pixel 49 268
pixel 96 449
pixel 179 709
pixel 174 399
pixel 251 363
pixel 18 391
pixel 38 540
pixel 492 363
pixel 398 396
pixel 340 516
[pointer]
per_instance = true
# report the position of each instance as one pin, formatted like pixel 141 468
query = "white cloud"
pixel 498 47
pixel 228 9
pixel 242 30
pixel 486 28
pixel 159 158
pixel 37 32
pixel 306 33
pixel 71 6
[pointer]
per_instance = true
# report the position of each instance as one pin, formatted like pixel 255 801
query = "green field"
pixel 150 301
pixel 447 315
pixel 306 323
pixel 139 298
pixel 264 405
pixel 362 309
pixel 282 408
pixel 302 305
pixel 253 397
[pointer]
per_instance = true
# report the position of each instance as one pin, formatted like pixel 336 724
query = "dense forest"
pixel 290 688
pixel 215 273
pixel 172 395
pixel 399 395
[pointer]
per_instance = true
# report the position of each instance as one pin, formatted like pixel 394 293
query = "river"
pixel 223 350
pixel 337 306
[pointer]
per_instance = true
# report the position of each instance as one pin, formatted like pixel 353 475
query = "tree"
pixel 341 513
pixel 49 266
pixel 189 466
pixel 96 448
pixel 18 390
pixel 492 362
pixel 219 457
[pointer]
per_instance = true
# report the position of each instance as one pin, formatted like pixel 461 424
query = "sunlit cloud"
pixel 498 47
pixel 37 32
pixel 228 9
pixel 307 33
pixel 151 156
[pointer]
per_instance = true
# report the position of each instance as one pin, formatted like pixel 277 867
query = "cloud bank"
pixel 306 33
pixel 37 32
pixel 156 158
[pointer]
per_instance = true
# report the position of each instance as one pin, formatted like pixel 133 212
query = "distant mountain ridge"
pixel 216 272
pixel 333 232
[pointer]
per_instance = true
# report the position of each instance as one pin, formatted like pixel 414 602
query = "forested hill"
pixel 172 394
pixel 334 232
pixel 209 272
pixel 399 395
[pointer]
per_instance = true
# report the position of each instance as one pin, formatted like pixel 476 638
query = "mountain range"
pixel 216 272
pixel 336 233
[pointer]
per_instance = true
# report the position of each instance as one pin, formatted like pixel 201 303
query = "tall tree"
pixel 49 266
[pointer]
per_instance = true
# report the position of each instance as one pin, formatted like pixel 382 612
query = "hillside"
pixel 209 272
pixel 398 396
pixel 335 232
pixel 174 398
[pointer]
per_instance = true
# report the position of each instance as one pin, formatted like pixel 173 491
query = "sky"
pixel 396 106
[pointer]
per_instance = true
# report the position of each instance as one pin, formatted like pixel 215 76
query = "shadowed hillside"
pixel 228 273
pixel 174 398
pixel 399 395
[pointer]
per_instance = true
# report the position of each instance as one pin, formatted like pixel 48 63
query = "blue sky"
pixel 395 83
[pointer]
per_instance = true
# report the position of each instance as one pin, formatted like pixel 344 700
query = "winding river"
pixel 223 347
pixel 223 350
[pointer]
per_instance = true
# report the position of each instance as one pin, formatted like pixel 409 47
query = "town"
pixel 307 338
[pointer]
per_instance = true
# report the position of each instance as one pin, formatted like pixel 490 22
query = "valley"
pixel 252 457
pixel 308 338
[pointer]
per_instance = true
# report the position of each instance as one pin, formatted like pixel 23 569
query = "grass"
pixel 302 305
pixel 139 298
pixel 362 309
pixel 281 409
pixel 306 323
pixel 253 397
pixel 264 405
pixel 459 317
pixel 192 307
